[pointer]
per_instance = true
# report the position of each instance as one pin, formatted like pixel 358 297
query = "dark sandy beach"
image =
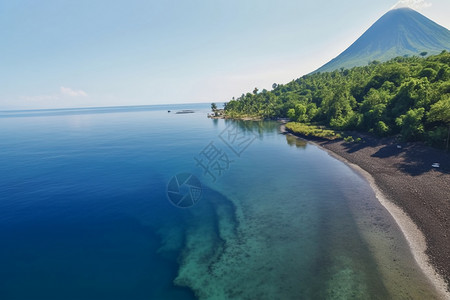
pixel 406 177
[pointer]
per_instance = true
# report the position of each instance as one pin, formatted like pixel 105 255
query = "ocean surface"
pixel 140 203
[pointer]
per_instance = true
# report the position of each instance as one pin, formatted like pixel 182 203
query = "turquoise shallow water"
pixel 84 212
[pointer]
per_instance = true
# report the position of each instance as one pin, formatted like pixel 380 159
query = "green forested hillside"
pixel 407 96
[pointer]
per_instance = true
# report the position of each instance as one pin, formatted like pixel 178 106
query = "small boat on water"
pixel 436 165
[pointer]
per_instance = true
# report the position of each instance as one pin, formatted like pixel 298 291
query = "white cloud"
pixel 72 93
pixel 414 4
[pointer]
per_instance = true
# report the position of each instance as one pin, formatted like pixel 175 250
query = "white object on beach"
pixel 436 165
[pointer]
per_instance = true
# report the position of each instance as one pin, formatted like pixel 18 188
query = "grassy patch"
pixel 312 131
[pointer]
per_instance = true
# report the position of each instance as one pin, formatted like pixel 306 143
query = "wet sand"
pixel 416 195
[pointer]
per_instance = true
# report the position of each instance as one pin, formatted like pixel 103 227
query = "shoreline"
pixel 415 236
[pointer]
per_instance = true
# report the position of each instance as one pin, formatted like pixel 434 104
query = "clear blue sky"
pixel 58 53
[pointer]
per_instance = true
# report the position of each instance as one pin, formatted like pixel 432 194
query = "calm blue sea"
pixel 85 212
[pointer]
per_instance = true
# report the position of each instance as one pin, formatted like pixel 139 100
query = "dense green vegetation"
pixel 406 96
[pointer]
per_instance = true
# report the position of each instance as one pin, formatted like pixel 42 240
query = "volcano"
pixel 400 32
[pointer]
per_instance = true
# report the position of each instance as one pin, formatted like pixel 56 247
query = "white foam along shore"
pixel 414 236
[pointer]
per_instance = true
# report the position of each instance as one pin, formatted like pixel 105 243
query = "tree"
pixel 372 109
pixel 340 108
pixel 411 123
pixel 440 112
pixel 213 107
pixel 381 128
pixel 274 86
pixel 423 54
pixel 428 73
pixel 291 114
pixel 300 113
